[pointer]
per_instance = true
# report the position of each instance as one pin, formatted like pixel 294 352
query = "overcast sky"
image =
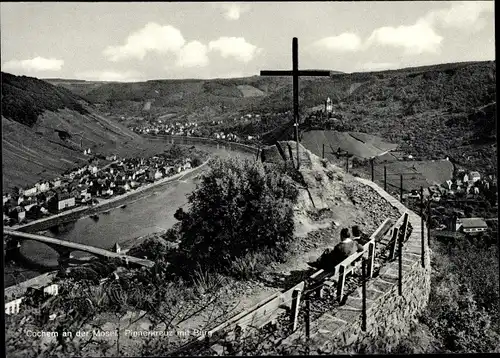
pixel 140 41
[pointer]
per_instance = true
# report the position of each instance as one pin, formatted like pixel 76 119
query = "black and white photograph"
pixel 249 178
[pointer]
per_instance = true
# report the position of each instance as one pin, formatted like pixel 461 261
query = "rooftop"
pixel 16 291
pixel 473 222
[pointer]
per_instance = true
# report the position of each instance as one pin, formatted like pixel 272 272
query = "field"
pixel 361 145
pixel 415 173
pixel 250 91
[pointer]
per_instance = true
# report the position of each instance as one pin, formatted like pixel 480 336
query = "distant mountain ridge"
pixel 429 111
pixel 25 98
pixel 45 130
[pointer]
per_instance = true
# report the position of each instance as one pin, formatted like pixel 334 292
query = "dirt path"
pixel 357 205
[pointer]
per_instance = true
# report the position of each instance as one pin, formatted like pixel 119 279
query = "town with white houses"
pixel 191 129
pixel 464 186
pixel 88 184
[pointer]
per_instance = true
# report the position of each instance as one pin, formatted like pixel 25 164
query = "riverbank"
pixel 147 213
pixel 103 205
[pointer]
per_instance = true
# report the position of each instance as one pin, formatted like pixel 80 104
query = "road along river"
pixel 147 214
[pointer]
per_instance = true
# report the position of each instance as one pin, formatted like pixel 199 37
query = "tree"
pixel 154 248
pixel 239 207
pixel 196 162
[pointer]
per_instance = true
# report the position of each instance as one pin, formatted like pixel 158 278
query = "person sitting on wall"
pixel 359 236
pixel 331 258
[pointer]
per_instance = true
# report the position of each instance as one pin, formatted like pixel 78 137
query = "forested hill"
pixel 25 98
pixel 45 130
pixel 430 111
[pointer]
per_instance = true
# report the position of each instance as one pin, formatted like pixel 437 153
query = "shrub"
pixel 206 281
pixel 463 306
pixel 196 162
pixel 250 266
pixel 239 207
pixel 477 264
pixel 172 234
pixel 154 248
pixel 462 326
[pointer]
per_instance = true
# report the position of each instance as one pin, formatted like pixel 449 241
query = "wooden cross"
pixel 295 73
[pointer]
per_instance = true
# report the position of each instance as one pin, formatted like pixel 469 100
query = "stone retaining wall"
pixel 388 313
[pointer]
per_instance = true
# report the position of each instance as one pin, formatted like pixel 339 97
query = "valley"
pixel 388 116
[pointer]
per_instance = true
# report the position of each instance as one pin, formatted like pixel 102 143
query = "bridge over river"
pixel 64 248
pixel 143 215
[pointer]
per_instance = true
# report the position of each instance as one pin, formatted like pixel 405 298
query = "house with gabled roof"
pixel 470 225
pixel 474 176
pixel 30 191
pixel 61 201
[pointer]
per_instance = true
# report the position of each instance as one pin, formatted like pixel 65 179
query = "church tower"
pixel 328 105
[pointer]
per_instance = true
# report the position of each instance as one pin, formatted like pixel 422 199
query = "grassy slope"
pixel 358 144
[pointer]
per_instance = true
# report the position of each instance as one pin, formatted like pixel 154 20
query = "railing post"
pixel 207 341
pixel 295 308
pixel 347 164
pixel 429 214
pixel 319 290
pixel 401 187
pixel 363 291
pixel 400 263
pixel 385 178
pixel 404 226
pixel 341 283
pixel 308 315
pixel 371 258
pixel 394 242
pixel 371 162
pixel 323 155
pixel 402 237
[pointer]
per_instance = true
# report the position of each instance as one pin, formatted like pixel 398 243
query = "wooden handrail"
pixel 348 261
pixel 265 309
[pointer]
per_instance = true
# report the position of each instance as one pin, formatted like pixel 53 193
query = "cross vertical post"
pixel 295 75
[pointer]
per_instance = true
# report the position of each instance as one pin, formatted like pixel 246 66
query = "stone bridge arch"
pixel 13 248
